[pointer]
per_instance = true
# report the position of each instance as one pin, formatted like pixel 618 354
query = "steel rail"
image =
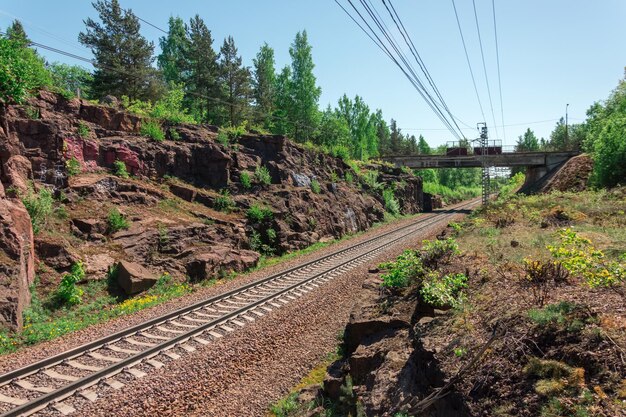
pixel 125 363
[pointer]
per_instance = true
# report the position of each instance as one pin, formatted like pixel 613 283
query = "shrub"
pixel 244 177
pixel 540 277
pixel 174 135
pixel 83 130
pixel 406 268
pixel 116 221
pixel 152 130
pixel 437 251
pixel 262 175
pixel 119 169
pixel 235 132
pixel 371 179
pixel 349 177
pixel 581 258
pixel 334 177
pixel 73 166
pixel 224 202
pixel 339 151
pixel 257 214
pixel 68 293
pixel 32 113
pixel 171 108
pixel 223 139
pixel 391 203
pixel 315 186
pixel 552 314
pixel 39 207
pixel 443 291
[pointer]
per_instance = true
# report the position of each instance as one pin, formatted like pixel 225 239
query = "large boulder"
pixel 55 253
pixel 219 260
pixel 134 278
pixel 17 262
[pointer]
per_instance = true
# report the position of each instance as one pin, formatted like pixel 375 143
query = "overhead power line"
pixel 150 24
pixel 495 32
pixel 374 26
pixel 482 54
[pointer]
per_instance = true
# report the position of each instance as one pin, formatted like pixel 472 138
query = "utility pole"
pixel 566 132
pixel 483 152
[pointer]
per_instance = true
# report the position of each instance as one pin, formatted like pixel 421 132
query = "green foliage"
pixel 83 130
pixel 438 251
pixel 231 133
pixel 391 203
pixel 257 214
pixel 21 72
pixel 67 79
pixel 334 178
pixel 406 268
pixel 349 177
pixel 123 57
pixel 581 258
pixel 174 135
pixel 152 130
pixel 170 107
pixel 32 113
pixel 223 139
pixel 234 78
pixel 371 179
pixel 173 60
pixel 286 407
pixel 262 175
pixel 315 186
pixel 224 202
pixel 264 85
pixel 73 166
pixel 246 182
pixel 451 195
pixel 552 314
pixel 68 293
pixel 443 291
pixel 39 207
pixel 119 169
pixel 116 221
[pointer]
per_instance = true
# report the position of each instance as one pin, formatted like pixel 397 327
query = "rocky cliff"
pixel 184 204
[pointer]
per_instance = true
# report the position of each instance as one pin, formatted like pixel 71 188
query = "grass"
pixel 116 221
pixel 451 195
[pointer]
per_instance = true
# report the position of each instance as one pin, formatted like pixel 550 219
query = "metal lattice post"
pixel 483 153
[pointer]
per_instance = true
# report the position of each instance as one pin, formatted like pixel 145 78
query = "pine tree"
pixel 16 33
pixel 264 86
pixel 235 82
pixel 283 103
pixel 305 92
pixel 395 139
pixel 422 146
pixel 201 82
pixel 123 57
pixel 174 51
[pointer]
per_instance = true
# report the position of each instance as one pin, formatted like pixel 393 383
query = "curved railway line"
pixel 49 382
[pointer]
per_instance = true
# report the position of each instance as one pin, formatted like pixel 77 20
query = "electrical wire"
pixel 482 54
pixel 495 32
pixel 387 43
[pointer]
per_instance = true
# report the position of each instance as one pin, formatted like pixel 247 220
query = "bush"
pixel 339 151
pixel 39 207
pixel 371 179
pixel 406 269
pixel 21 72
pixel 244 177
pixel 540 277
pixel 262 175
pixel 437 251
pixel 68 293
pixel 171 108
pixel 315 186
pixel 223 139
pixel 83 130
pixel 116 221
pixel 174 135
pixel 73 166
pixel 349 177
pixel 153 130
pixel 257 214
pixel 119 169
pixel 391 203
pixel 224 202
pixel 443 291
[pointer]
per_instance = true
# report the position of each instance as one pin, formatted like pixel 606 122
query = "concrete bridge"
pixel 540 166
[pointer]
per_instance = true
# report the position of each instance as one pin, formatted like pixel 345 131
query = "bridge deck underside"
pixel 526 159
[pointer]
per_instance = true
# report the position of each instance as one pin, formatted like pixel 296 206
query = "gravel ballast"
pixel 246 371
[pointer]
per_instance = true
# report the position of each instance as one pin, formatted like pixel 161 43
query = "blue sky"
pixel 552 52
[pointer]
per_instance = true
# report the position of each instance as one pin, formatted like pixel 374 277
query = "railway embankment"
pixel 517 311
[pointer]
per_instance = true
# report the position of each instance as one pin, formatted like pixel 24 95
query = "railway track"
pixel 51 382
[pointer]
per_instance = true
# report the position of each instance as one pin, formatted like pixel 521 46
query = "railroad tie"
pixel 171 355
pixel 84 367
pixel 166 330
pixel 61 377
pixel 28 386
pixel 88 394
pixel 201 340
pixel 101 357
pixel 121 350
pixel 63 408
pixel 188 348
pixel 179 324
pixel 136 372
pixel 12 400
pixel 156 364
pixel 113 383
pixel 138 343
pixel 154 336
